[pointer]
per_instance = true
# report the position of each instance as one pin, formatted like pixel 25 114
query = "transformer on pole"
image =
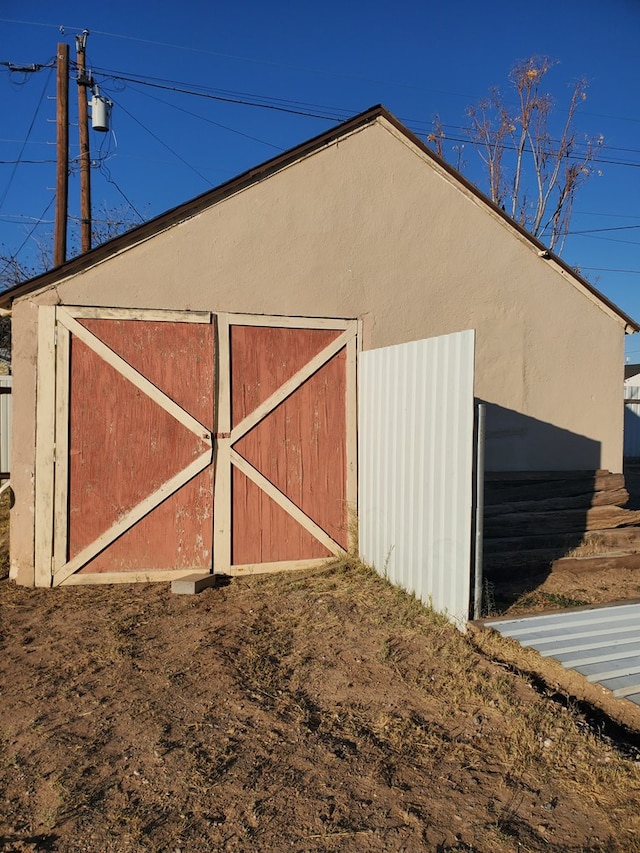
pixel 100 111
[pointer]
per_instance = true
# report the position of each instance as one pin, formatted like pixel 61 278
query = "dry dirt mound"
pixel 317 712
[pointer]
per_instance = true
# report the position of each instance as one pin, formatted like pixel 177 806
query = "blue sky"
pixel 333 59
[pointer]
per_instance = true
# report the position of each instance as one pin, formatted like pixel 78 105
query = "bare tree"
pixel 107 222
pixel 532 174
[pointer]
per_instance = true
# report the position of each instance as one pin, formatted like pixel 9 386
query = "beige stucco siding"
pixel 371 227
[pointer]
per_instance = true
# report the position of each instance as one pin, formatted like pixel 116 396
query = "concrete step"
pixel 193 584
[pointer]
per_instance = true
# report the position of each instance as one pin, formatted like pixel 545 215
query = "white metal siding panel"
pixel 632 421
pixel 602 643
pixel 5 425
pixel 415 434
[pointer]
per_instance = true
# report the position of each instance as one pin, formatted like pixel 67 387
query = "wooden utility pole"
pixel 62 155
pixel 85 162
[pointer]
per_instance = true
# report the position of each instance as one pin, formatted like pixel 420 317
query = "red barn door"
pixel 286 457
pixel 133 472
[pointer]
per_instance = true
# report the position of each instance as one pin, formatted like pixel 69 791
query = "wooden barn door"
pixel 132 489
pixel 286 459
pixel 134 408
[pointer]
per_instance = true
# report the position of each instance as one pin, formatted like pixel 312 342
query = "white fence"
pixel 632 421
pixel 5 425
pixel 415 434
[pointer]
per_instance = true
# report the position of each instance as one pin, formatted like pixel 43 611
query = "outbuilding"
pixel 185 395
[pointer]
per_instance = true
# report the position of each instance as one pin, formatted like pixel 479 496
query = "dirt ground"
pixel 559 590
pixel 323 711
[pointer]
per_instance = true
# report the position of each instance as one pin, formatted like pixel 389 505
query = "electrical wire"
pixel 164 144
pixel 108 177
pixel 320 112
pixel 209 121
pixel 608 215
pixel 13 258
pixel 33 68
pixel 298 108
pixel 33 121
pixel 467 141
pixel 609 269
pixel 324 72
pixel 276 104
pixel 24 162
pixel 19 219
pixel 608 239
pixel 270 63
pixel 614 228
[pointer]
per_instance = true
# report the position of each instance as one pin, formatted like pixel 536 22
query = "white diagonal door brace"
pixel 291 385
pixel 285 503
pixel 130 373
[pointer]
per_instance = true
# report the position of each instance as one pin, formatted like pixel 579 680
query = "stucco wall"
pixel 369 227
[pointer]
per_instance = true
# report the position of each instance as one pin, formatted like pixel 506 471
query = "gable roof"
pixel 210 197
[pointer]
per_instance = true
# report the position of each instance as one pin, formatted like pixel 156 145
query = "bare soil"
pixel 324 711
pixel 560 590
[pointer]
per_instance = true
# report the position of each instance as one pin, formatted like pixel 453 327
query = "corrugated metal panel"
pixel 602 643
pixel 415 433
pixel 632 421
pixel 5 425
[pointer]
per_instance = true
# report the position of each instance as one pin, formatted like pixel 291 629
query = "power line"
pixel 210 121
pixel 608 239
pixel 164 144
pixel 296 108
pixel 320 112
pixel 33 121
pixel 277 104
pixel 609 269
pixel 323 72
pixel 19 219
pixel 608 215
pixel 312 110
pixel 24 162
pixel 27 69
pixel 461 128
pixel 270 63
pixel 107 174
pixel 468 141
pixel 14 257
pixel 614 228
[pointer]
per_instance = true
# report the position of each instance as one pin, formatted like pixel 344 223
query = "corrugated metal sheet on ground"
pixel 415 434
pixel 601 643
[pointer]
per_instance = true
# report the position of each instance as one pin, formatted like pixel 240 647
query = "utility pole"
pixel 62 155
pixel 85 162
